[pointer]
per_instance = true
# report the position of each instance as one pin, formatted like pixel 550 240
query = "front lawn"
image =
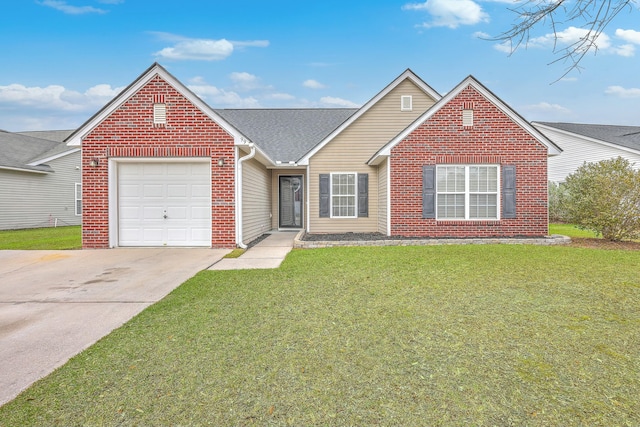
pixel 53 238
pixel 439 335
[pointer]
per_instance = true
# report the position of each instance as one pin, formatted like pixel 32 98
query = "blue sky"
pixel 62 60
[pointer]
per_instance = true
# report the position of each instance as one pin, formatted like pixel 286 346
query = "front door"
pixel 290 200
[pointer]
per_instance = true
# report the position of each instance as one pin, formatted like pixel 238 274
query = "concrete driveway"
pixel 54 304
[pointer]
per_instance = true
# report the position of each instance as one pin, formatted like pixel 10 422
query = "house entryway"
pixel 290 201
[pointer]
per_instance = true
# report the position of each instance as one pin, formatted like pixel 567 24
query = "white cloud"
pixel 573 36
pixel 198 49
pixel 185 48
pixel 630 36
pixel 621 92
pixel 245 81
pixel 337 102
pixel 568 37
pixel 313 84
pixel 546 111
pixel 450 13
pixel 56 97
pixel 250 43
pixel 218 98
pixel 625 50
pixel 62 6
pixel 280 97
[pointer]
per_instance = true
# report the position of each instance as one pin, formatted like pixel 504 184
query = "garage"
pixel 164 203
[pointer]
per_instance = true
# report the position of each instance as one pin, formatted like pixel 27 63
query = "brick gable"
pixel 129 132
pixel 494 138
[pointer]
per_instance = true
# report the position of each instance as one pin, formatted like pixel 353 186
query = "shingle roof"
pixel 286 135
pixel 625 136
pixel 18 150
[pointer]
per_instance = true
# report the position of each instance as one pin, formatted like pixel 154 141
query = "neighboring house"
pixel 589 143
pixel 40 180
pixel 162 168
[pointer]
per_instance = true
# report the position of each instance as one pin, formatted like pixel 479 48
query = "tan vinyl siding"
pixel 382 197
pixel 275 208
pixel 256 201
pixel 33 200
pixel 353 147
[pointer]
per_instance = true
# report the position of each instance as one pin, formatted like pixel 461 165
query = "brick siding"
pixel 130 132
pixel 494 138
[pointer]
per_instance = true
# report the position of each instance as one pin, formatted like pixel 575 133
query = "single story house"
pixel 589 143
pixel 160 167
pixel 40 180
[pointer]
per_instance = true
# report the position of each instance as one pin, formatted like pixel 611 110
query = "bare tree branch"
pixel 592 16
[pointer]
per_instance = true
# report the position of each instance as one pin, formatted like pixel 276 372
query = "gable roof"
pixel 22 152
pixel 285 135
pixel 385 151
pixel 155 70
pixel 407 74
pixel 623 136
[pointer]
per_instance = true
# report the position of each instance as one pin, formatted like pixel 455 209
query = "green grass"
pixel 570 230
pixel 42 238
pixel 439 336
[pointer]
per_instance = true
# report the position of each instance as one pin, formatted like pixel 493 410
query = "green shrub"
pixel 557 202
pixel 605 197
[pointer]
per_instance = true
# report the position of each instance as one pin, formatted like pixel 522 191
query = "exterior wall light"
pixel 94 162
pixel 221 161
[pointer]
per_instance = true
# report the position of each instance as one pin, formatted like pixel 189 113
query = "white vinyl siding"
pixel 344 190
pixel 467 192
pixel 577 150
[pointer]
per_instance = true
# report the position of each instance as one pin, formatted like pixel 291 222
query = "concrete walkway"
pixel 269 253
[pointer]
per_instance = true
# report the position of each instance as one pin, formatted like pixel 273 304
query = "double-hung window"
pixel 78 198
pixel 467 192
pixel 343 195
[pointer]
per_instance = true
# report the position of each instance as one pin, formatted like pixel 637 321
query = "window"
pixel 467 192
pixel 343 195
pixel 406 103
pixel 78 199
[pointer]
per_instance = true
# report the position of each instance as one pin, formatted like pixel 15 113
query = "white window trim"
pixel 498 193
pixel 402 101
pixel 78 186
pixel 355 196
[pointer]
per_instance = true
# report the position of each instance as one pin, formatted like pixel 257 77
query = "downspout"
pixel 249 156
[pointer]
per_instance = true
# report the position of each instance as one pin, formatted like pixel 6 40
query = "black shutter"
pixel 325 182
pixel 363 195
pixel 428 192
pixel 508 192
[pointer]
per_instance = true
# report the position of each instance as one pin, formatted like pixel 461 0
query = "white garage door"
pixel 164 204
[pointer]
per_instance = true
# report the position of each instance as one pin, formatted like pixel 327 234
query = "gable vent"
pixel 467 114
pixel 406 103
pixel 159 110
